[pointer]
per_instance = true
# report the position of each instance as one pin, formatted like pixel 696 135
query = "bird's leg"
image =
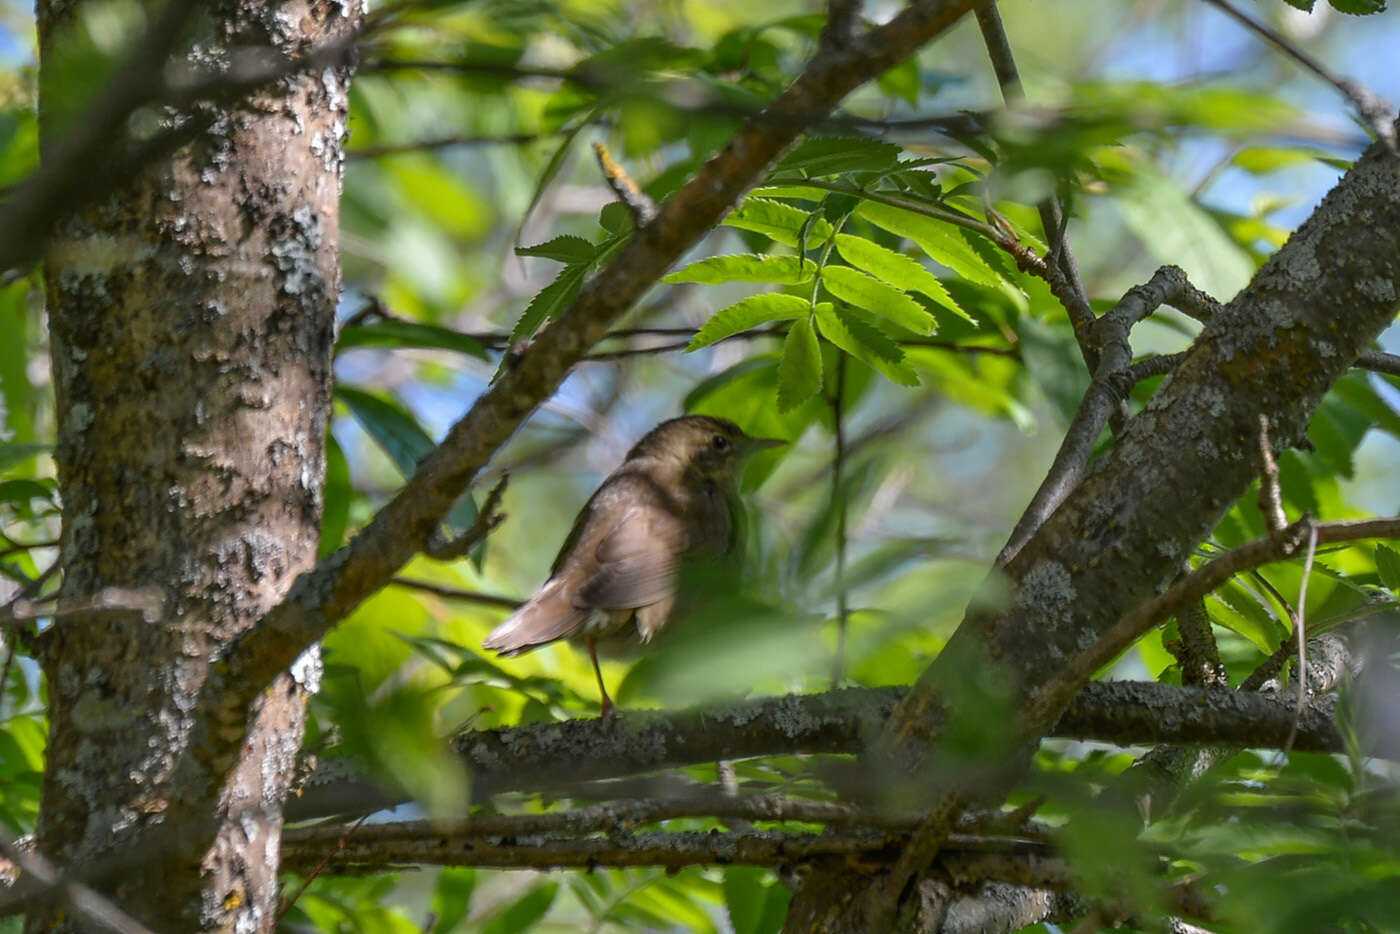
pixel 609 711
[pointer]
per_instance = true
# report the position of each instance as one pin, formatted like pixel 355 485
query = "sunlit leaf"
pixel 749 313
pixel 777 221
pixel 938 239
pixel 897 269
pixel 746 267
pixel 566 249
pixel 854 286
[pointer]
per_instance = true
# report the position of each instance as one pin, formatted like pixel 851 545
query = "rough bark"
pixel 191 316
pixel 1119 538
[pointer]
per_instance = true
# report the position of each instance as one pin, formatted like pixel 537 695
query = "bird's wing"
pixel 636 560
pixel 545 617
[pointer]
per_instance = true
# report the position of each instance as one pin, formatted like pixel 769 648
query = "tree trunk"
pixel 191 316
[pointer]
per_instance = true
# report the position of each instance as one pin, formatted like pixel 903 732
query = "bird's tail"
pixel 547 616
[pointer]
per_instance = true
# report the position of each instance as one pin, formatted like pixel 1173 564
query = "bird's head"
pixel 704 447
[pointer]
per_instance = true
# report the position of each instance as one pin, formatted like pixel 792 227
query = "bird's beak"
pixel 754 445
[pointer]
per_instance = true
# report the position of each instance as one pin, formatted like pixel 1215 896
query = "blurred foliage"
pixel 856 278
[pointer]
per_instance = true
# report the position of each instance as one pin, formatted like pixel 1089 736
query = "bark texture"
pixel 192 319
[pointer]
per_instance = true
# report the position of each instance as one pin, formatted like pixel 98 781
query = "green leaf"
pixel 854 286
pixel 1305 5
pixel 747 313
pixel 898 270
pixel 865 342
pixel 336 495
pixel 745 894
pixel 566 249
pixel 903 81
pixel 525 912
pixel 18 394
pixel 551 300
pixel 452 897
pixel 831 155
pixel 392 428
pixel 1388 565
pixel 777 221
pixel 407 334
pixel 800 372
pixel 746 267
pixel 942 242
pixel 1358 7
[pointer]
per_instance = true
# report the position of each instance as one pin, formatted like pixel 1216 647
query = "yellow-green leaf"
pixel 898 270
pixel 746 267
pixel 854 286
pixel 748 313
pixel 939 240
pixel 778 221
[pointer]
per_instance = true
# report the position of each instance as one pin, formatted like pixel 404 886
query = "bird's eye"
pixel 719 442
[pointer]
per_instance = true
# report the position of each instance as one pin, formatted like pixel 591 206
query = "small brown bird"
pixel 667 503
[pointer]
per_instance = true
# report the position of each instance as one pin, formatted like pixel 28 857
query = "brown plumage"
pixel 667 503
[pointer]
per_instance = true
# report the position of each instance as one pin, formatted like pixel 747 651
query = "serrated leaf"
pixel 566 249
pixel 747 313
pixel 898 270
pixel 549 302
pixel 800 371
pixel 777 221
pixel 746 267
pixel 1358 7
pixel 1388 566
pixel 392 428
pixel 865 342
pixel 407 334
pixel 857 288
pixel 940 241
pixel 829 155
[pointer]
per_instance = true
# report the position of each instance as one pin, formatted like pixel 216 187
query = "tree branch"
pixel 574 755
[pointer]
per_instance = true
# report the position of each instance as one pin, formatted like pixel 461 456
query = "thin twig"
pixel 440 548
pixel 1052 215
pixel 1374 110
pixel 1302 640
pixel 455 593
pixel 838 494
pixel 1378 362
pixel 318 869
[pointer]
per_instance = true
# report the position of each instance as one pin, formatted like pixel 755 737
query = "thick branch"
pixel 376 846
pixel 570 754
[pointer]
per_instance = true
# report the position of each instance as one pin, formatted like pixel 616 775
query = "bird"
pixel 667 504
